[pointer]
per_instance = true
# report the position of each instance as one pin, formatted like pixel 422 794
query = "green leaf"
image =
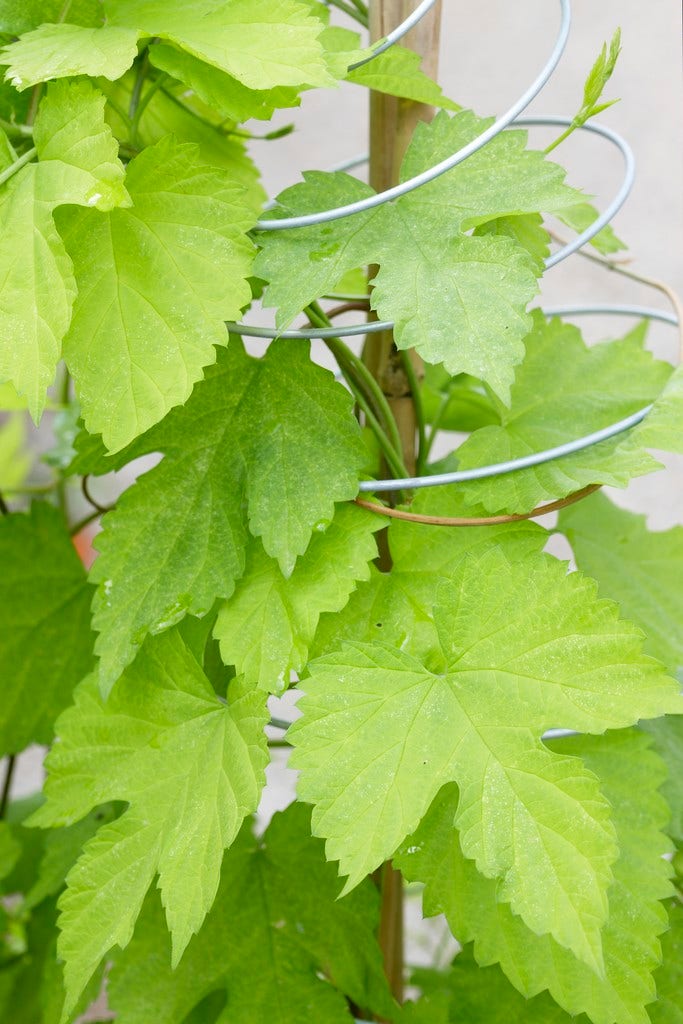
pixel 60 51
pixel 397 72
pixel 393 606
pixel 562 391
pixel 270 442
pixel 629 776
pixel 522 648
pixel 267 626
pixel 598 77
pixel 580 217
pixel 19 16
pixel 155 283
pixel 457 299
pixel 278 943
pixel 46 645
pixel 639 569
pixel 62 848
pixel 71 133
pixel 669 1006
pixel 262 43
pixel 77 165
pixel 10 850
pixel 503 179
pixel 190 768
pixel 455 403
pixel 667 735
pixel 475 994
pixel 663 426
pixel 219 90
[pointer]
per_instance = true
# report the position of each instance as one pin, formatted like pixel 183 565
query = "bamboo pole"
pixel 392 122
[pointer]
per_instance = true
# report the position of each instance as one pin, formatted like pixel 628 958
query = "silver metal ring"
pixel 398 33
pixel 432 173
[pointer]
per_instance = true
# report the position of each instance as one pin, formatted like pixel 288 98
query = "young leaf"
pixel 564 390
pixel 599 76
pixel 522 648
pixel 580 217
pixel 458 299
pixel 278 944
pixel 72 135
pixel 60 51
pixel 266 627
pixel 663 426
pixel 397 72
pixel 155 283
pixel 270 442
pixel 47 643
pixel 262 43
pixel 639 569
pixel 629 776
pixel 190 768
pixel 78 164
pixel 219 90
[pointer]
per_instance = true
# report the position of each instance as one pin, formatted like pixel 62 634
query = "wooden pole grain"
pixel 392 122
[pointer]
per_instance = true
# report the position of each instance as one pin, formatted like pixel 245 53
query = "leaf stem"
pixel 416 396
pixel 10 171
pixel 11 128
pixel 136 94
pixel 7 785
pixel 143 102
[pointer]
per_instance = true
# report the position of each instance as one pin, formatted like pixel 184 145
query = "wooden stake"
pixel 392 122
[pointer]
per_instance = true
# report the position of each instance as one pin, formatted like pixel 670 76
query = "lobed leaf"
pixel 267 445
pixel 277 908
pixel 190 769
pixel 521 648
pixel 629 776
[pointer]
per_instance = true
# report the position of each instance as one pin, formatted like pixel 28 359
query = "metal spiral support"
pixel 510 118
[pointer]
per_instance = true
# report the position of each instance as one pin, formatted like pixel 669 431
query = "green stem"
pixel 318 317
pixel 436 422
pixel 24 131
pixel 389 452
pixel 143 102
pixel 560 138
pixel 136 94
pixel 416 395
pixel 4 507
pixel 7 785
pixel 120 112
pixel 10 171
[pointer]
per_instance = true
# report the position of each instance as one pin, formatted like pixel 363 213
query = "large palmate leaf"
pixel 266 627
pixel 262 43
pixel 155 283
pixel 78 164
pixel 60 51
pixel 19 16
pixel 276 908
pixel 562 391
pixel 395 606
pixel 270 442
pixel 190 768
pixel 458 299
pixel 629 776
pixel 46 645
pixel 640 569
pixel 521 648
pixel 219 90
